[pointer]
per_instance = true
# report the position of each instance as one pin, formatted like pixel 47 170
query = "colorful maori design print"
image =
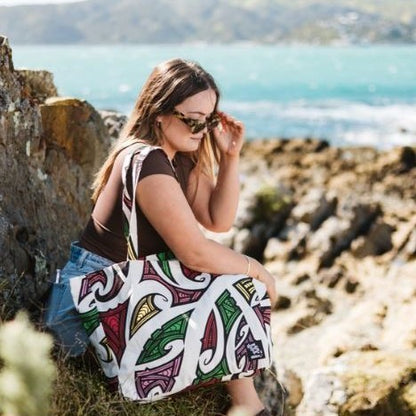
pixel 159 335
pixel 159 328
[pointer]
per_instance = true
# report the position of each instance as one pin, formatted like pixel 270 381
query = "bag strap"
pixel 132 166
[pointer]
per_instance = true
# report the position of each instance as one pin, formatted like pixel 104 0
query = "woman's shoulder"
pixel 156 155
pixel 156 162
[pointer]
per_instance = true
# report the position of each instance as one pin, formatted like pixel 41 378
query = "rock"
pixel 269 210
pixel 47 162
pixel 399 327
pixel 251 178
pixel 375 382
pixel 294 230
pixel 404 238
pixel 311 310
pixel 316 302
pixel 114 122
pixel 378 241
pixel 351 285
pixel 324 395
pixel 38 84
pixel 409 397
pixel 410 248
pixel 365 241
pixel 75 126
pixel 343 180
pixel 271 391
pixel 303 320
pixel 331 277
pixel 400 160
pixel 271 206
pixel 322 240
pixel 293 385
pixel 244 217
pixel 299 279
pixel 242 240
pixel 361 383
pixel 276 249
pixel 283 302
pixel 257 241
pixel 362 218
pixel 314 208
pixel 305 146
pixel 298 250
pixel 290 244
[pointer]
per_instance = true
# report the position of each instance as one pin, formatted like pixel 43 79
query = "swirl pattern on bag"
pixel 177 331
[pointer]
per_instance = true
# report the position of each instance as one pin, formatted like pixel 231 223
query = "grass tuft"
pixel 80 389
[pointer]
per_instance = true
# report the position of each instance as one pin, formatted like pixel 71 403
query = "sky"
pixel 25 2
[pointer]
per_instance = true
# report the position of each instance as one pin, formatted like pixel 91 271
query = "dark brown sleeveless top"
pixel 103 234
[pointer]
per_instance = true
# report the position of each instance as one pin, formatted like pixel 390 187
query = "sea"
pixel 348 95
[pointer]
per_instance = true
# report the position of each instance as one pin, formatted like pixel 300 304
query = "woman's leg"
pixel 244 395
pixel 61 316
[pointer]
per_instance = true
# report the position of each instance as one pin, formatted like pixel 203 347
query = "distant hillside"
pixel 168 21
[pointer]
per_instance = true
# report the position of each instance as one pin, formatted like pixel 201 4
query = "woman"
pixel 177 192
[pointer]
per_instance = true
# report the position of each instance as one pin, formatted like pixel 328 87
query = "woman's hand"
pixel 262 274
pixel 229 135
pixel 271 289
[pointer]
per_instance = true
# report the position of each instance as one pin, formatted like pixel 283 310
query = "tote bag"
pixel 159 328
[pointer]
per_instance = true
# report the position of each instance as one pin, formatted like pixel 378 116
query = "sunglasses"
pixel 196 126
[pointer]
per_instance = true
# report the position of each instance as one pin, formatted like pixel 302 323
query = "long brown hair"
pixel 169 84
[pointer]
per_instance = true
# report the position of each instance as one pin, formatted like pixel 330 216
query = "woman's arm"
pixel 165 206
pixel 215 205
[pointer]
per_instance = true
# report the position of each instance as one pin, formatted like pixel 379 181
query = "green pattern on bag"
pixel 228 309
pixel 164 260
pixel 217 373
pixel 170 331
pixel 90 321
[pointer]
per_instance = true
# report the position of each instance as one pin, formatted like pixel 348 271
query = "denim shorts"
pixel 61 316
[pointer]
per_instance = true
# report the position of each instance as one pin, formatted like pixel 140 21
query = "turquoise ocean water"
pixel 347 95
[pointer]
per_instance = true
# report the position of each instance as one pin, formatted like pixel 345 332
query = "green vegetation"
pixel 267 21
pixel 268 203
pixel 398 10
pixel 81 390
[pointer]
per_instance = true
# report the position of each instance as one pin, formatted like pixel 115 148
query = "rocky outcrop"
pixel 48 154
pixel 113 121
pixel 344 259
pixel 38 84
pixel 362 383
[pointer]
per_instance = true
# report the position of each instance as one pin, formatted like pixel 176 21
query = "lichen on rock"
pixel 49 153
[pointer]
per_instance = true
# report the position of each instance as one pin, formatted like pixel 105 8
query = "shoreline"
pixel 308 94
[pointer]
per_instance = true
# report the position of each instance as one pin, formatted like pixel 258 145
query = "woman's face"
pixel 177 135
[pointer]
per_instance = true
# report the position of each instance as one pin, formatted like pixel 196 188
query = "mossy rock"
pixel 380 383
pixel 269 202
